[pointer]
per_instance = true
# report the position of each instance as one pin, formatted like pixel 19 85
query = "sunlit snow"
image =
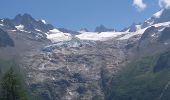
pixel 141 31
pixel 20 27
pixel 55 36
pixel 158 14
pixel 1 24
pixel 44 21
pixel 99 36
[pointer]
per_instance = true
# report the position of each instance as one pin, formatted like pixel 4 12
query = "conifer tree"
pixel 11 87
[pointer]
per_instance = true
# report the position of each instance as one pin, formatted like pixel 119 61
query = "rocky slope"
pixel 65 65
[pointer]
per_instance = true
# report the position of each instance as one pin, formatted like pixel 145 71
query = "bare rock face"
pixel 102 28
pixel 74 69
pixel 70 73
pixel 5 39
pixel 66 70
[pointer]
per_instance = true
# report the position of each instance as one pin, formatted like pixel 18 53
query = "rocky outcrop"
pixel 5 39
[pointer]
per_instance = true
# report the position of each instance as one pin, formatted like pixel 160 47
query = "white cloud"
pixel 164 4
pixel 139 4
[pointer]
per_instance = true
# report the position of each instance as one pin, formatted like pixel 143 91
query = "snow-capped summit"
pixel 133 28
pixel 158 14
pixel 40 28
pixel 30 24
pixel 159 17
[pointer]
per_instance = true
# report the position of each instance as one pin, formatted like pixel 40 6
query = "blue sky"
pixel 76 14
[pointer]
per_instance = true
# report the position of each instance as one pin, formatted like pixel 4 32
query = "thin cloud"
pixel 139 4
pixel 164 4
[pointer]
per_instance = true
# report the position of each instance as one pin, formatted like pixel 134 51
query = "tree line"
pixel 11 87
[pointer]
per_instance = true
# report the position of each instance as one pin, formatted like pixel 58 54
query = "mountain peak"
pixel 23 17
pixel 159 17
pixel 30 24
pixel 158 14
pixel 27 15
pixel 102 28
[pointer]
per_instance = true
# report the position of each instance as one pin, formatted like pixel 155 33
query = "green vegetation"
pixel 145 79
pixel 12 87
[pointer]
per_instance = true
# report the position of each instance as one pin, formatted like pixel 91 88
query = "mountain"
pixel 68 31
pixel 5 39
pixel 61 64
pixel 30 24
pixel 73 43
pixel 6 23
pixel 145 79
pixel 159 17
pixel 102 28
pixel 84 30
pixel 133 28
pixel 37 29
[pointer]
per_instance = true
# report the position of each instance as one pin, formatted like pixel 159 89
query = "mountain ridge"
pixel 61 64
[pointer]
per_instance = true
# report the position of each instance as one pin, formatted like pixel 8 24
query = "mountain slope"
pixel 61 64
pixel 144 79
pixel 5 39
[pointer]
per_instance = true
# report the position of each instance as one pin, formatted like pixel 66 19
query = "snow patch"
pixel 158 14
pixel 55 36
pixel 53 78
pixel 2 20
pixel 95 36
pixel 166 43
pixel 20 27
pixel 138 27
pixel 1 24
pixel 162 24
pixel 149 23
pixel 38 30
pixel 131 34
pixel 43 21
pixel 127 30
pixel 54 31
pixel 141 31
pixel 154 35
pixel 13 30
